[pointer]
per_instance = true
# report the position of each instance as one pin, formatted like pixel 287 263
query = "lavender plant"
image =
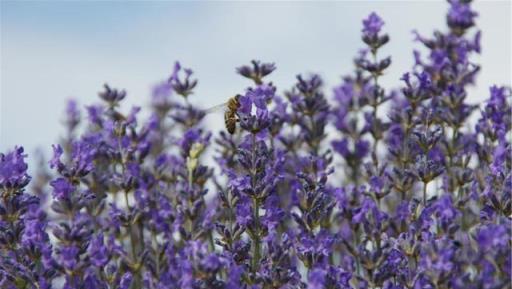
pixel 372 187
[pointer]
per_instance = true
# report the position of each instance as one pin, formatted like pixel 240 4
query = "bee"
pixel 230 112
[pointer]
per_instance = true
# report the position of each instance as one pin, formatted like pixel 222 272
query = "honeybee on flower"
pixel 230 108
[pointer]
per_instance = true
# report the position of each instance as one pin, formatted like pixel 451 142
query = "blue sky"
pixel 54 50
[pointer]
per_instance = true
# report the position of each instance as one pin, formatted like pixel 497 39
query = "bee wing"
pixel 217 108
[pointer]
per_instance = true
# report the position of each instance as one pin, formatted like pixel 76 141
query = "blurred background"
pixel 54 50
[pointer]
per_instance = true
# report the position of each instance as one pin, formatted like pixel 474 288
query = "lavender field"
pixel 365 183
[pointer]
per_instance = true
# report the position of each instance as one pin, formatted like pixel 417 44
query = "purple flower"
pixel 234 276
pixel 211 263
pixel 35 234
pixel 98 252
pixel 360 214
pixel 243 213
pixel 360 150
pixel 445 210
pixel 62 189
pixel 427 169
pixel 13 169
pixel 68 256
pixel 126 281
pixel 257 72
pixel 182 86
pixel 112 96
pixel 94 114
pixel 316 278
pixel 160 93
pixel 460 16
pixel 57 154
pixel 372 25
pixel 72 114
pixel 492 237
pixel 253 112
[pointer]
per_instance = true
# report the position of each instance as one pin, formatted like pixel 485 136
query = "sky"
pixel 52 51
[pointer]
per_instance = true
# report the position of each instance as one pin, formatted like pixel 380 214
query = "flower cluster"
pixel 372 187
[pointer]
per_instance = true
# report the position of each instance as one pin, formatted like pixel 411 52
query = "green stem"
pixel 256 236
pixel 374 113
pixel 157 257
pixel 141 236
pixel 256 209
